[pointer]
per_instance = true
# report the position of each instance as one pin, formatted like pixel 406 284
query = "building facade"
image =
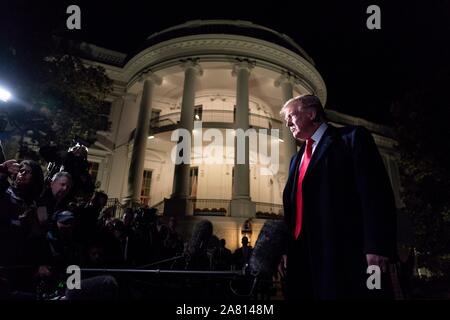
pixel 223 75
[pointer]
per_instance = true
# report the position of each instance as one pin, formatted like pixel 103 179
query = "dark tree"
pixel 58 96
pixel 423 131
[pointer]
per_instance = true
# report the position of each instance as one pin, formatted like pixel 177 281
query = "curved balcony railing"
pixel 221 207
pixel 171 120
pixel 210 207
pixel 269 210
pixel 205 207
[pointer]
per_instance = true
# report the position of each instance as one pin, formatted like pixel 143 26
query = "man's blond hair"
pixel 306 101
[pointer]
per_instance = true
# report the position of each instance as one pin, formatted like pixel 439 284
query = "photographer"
pixel 74 161
pixel 18 223
pixel 56 196
pixel 17 201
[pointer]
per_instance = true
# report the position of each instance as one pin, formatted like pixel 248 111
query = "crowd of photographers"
pixel 48 224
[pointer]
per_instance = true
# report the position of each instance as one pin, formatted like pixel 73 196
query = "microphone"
pixel 201 234
pixel 196 249
pixel 270 245
pixel 195 252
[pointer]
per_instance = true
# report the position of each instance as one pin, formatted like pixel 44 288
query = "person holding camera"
pixel 55 197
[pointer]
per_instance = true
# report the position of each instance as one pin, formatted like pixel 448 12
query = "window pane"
pixel 146 186
pixel 93 170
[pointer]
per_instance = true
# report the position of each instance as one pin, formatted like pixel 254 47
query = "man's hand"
pixel 282 266
pixel 12 166
pixel 382 262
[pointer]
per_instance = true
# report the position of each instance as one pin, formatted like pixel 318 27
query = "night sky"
pixel 364 70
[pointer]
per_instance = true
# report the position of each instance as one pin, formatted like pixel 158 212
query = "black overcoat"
pixel 348 212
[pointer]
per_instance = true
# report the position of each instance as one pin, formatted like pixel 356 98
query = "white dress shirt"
pixel 316 137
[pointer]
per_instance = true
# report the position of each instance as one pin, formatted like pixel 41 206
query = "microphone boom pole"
pixel 162 271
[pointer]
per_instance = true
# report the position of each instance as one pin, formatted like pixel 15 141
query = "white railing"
pixel 221 116
pixel 269 210
pixel 211 207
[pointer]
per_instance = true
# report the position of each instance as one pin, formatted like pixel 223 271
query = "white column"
pixel 241 189
pixel 181 176
pixel 241 204
pixel 140 138
pixel 179 203
pixel 286 82
pixel 126 121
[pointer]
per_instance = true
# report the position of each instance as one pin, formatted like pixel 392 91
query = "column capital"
pixel 149 75
pixel 242 64
pixel 192 63
pixel 286 77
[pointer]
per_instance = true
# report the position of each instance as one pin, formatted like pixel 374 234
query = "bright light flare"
pixel 5 95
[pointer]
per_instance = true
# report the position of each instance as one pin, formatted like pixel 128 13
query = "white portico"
pixel 226 74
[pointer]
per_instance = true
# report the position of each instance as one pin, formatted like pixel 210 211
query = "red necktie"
pixel 304 165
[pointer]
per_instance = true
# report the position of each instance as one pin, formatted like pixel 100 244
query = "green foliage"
pixel 61 98
pixel 422 131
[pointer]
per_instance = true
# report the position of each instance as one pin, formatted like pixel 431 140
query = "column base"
pixel 178 207
pixel 243 208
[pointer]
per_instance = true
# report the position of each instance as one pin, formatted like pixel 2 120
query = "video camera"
pixel 73 161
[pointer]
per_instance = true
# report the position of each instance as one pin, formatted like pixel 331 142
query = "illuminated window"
pixel 146 186
pixel 154 118
pixel 193 182
pixel 93 170
pixel 198 110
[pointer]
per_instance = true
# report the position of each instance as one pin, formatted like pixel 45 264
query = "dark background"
pixel 364 70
